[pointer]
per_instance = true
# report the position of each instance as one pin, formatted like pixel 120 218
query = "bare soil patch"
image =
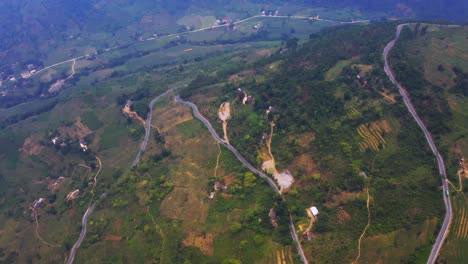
pixel 113 238
pixel 229 179
pixel 118 224
pixel 203 242
pixel 57 86
pixel 342 216
pixel 237 77
pixel 363 68
pixel 342 198
pixel 224 113
pixel 31 147
pixel 105 73
pixel 165 120
pixel 181 203
pixel 304 162
pixel 78 129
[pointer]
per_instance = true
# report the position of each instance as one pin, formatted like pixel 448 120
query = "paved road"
pixel 248 165
pixel 448 206
pixel 148 123
pixel 84 224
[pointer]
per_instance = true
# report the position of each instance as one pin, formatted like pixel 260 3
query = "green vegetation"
pixel 306 100
pixel 336 70
pixel 429 61
pixel 91 120
pixel 160 211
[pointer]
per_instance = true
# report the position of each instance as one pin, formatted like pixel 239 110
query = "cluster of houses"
pixel 224 21
pixel 31 70
pixel 41 202
pixel 9 88
pixel 217 186
pixel 57 141
pixel 269 13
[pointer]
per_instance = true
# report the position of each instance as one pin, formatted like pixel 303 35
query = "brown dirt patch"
pixel 363 68
pixel 105 73
pixel 113 238
pixel 72 212
pixel 237 77
pixel 203 242
pixel 56 86
pixel 428 229
pixel 229 179
pixel 304 163
pixel 31 147
pixel 78 129
pixel 303 139
pixel 165 120
pixel 342 216
pixel 263 52
pixel 50 157
pixel 132 114
pixel 147 19
pixel 342 198
pixel 183 204
pixel 118 224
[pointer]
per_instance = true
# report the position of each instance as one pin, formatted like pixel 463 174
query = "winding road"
pixel 148 123
pixel 248 165
pixel 84 225
pixel 448 206
pixel 84 220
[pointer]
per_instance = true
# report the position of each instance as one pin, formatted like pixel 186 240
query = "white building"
pixel 314 211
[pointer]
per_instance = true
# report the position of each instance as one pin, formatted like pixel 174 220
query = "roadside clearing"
pixel 224 114
pixel 132 114
pixel 285 178
pixel 311 224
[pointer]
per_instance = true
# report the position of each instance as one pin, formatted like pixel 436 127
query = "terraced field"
pixel 373 135
pixel 282 255
pixel 457 242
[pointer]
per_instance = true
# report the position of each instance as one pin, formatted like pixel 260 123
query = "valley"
pixel 258 137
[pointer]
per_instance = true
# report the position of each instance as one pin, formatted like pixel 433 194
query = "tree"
pixel 236 227
pixel 249 179
pixel 292 43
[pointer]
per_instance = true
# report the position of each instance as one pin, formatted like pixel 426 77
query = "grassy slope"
pixel 332 160
pixel 94 102
pixel 404 185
